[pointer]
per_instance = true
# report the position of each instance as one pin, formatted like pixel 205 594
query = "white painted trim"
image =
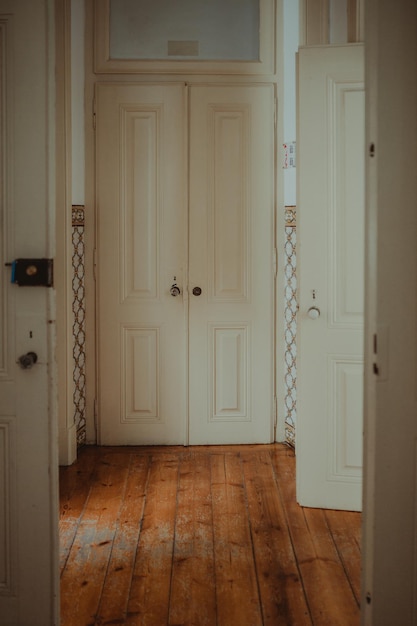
pixel 90 237
pixel 280 228
pixel 103 63
pixel 77 101
pixel 63 265
pixel 314 22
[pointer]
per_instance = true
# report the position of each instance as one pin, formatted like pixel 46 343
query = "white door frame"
pixel 90 79
pixel 67 436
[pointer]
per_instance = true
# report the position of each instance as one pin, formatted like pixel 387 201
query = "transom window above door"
pixel 185 36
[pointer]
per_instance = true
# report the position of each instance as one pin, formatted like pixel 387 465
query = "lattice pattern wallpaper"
pixel 290 324
pixel 78 308
pixel 78 328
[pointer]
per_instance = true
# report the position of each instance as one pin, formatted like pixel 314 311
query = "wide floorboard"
pixel 201 536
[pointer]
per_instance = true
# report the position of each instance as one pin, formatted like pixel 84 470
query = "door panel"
pixel 231 260
pixel 141 253
pixel 331 277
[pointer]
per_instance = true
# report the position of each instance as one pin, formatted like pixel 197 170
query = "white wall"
pixel 291 33
pixel 77 101
pixel 338 26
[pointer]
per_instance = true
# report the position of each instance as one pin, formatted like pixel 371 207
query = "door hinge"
pixel 375 368
pixel 94 114
pixel 381 347
pixel 275 112
pixel 95 410
pixel 95 263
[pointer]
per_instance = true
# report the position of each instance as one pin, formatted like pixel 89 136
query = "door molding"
pixel 91 78
pixel 63 263
pixel 104 64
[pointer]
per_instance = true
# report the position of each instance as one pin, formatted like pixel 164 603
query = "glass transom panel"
pixel 204 30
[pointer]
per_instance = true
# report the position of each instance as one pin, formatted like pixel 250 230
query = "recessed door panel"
pixel 139 199
pixel 228 207
pixel 230 383
pixel 140 374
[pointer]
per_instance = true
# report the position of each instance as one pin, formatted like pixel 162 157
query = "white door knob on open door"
pixel 313 313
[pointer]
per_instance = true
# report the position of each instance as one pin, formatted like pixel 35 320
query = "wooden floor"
pixel 202 536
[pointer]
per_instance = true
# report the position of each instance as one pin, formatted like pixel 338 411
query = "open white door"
pixel 28 464
pixel 389 583
pixel 331 276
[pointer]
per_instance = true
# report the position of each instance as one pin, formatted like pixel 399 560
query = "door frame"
pixel 67 441
pixel 90 202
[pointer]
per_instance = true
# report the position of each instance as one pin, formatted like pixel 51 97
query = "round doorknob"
pixel 28 360
pixel 197 291
pixel 313 313
pixel 175 290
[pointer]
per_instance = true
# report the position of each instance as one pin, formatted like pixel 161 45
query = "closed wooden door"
pixel 331 278
pixel 184 200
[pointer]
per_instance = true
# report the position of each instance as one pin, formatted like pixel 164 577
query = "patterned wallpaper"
pixel 78 309
pixel 78 327
pixel 290 324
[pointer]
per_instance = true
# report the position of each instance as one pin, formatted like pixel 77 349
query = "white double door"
pixel 185 196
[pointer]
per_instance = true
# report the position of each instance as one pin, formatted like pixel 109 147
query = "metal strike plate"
pixel 32 272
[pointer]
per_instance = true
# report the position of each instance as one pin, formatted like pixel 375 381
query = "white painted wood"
pixel 338 21
pixel 389 582
pixel 231 260
pixel 67 431
pixel 141 209
pixel 331 270
pixel 315 22
pixel 28 460
pixel 104 63
pixel 356 20
pixel 148 338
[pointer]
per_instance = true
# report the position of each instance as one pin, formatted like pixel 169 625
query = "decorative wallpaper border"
pixel 78 327
pixel 290 313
